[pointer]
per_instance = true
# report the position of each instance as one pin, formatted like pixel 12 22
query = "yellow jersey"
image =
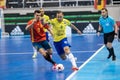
pixel 59 29
pixel 46 20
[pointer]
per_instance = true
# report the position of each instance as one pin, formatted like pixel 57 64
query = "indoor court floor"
pixel 16 61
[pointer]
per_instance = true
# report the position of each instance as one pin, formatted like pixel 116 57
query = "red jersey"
pixel 37 33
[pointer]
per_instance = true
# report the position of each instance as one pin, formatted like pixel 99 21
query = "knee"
pixel 42 51
pixel 49 51
pixel 67 50
pixel 63 57
pixel 109 45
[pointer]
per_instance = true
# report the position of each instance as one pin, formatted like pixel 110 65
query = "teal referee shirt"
pixel 107 24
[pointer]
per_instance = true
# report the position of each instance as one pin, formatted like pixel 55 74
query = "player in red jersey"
pixel 38 36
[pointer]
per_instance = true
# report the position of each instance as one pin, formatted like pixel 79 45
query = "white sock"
pixel 34 50
pixel 72 59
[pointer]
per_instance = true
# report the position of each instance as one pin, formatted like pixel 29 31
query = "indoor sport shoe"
pixel 109 56
pixel 75 69
pixel 54 66
pixel 113 58
pixel 34 55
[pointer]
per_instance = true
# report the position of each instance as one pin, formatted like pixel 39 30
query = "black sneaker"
pixel 109 56
pixel 113 58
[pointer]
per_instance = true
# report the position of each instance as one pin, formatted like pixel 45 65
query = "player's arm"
pixel 30 25
pixel 75 28
pixel 47 26
pixel 99 30
pixel 50 31
pixel 116 29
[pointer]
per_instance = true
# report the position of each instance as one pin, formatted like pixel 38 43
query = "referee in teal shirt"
pixel 109 28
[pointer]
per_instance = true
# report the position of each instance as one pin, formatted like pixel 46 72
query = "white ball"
pixel 60 67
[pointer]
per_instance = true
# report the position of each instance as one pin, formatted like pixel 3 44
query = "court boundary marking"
pixel 11 53
pixel 72 74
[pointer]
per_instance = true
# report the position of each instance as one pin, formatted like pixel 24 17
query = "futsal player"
pixel 61 44
pixel 109 28
pixel 38 37
pixel 44 19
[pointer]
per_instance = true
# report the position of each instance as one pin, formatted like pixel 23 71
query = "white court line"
pixel 16 53
pixel 72 74
pixel 32 52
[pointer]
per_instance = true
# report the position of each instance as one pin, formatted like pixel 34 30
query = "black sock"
pixel 48 58
pixel 111 51
pixel 108 50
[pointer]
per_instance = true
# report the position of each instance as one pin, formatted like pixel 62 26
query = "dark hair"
pixel 36 11
pixel 104 9
pixel 58 12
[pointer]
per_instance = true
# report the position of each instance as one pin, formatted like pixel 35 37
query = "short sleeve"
pixel 29 22
pixel 67 22
pixel 113 21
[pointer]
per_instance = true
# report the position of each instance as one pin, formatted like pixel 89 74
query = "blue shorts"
pixel 59 46
pixel 42 44
pixel 47 36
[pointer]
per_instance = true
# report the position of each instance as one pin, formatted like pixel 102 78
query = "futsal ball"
pixel 60 67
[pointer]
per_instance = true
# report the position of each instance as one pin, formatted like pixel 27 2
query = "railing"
pixel 74 17
pixel 49 3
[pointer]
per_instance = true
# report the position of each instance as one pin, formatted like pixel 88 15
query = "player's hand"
pixel 34 20
pixel 79 32
pixel 116 36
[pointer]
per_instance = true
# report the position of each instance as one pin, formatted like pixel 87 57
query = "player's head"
pixel 104 12
pixel 37 14
pixel 42 11
pixel 59 16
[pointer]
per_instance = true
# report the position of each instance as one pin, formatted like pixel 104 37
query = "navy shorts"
pixel 59 46
pixel 47 36
pixel 41 44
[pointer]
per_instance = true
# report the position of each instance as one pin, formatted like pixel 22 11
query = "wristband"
pixel 115 33
pixel 98 31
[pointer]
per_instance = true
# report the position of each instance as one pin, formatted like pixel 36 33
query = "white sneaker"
pixel 34 55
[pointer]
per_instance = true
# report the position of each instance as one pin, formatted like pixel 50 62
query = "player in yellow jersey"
pixel 61 44
pixel 44 19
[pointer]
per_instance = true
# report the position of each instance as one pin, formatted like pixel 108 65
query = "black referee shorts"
pixel 109 37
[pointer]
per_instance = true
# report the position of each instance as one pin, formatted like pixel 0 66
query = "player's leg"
pixel 60 50
pixel 66 48
pixel 35 53
pixel 47 47
pixel 109 39
pixel 70 57
pixel 111 51
pixel 48 52
pixel 105 42
pixel 40 48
